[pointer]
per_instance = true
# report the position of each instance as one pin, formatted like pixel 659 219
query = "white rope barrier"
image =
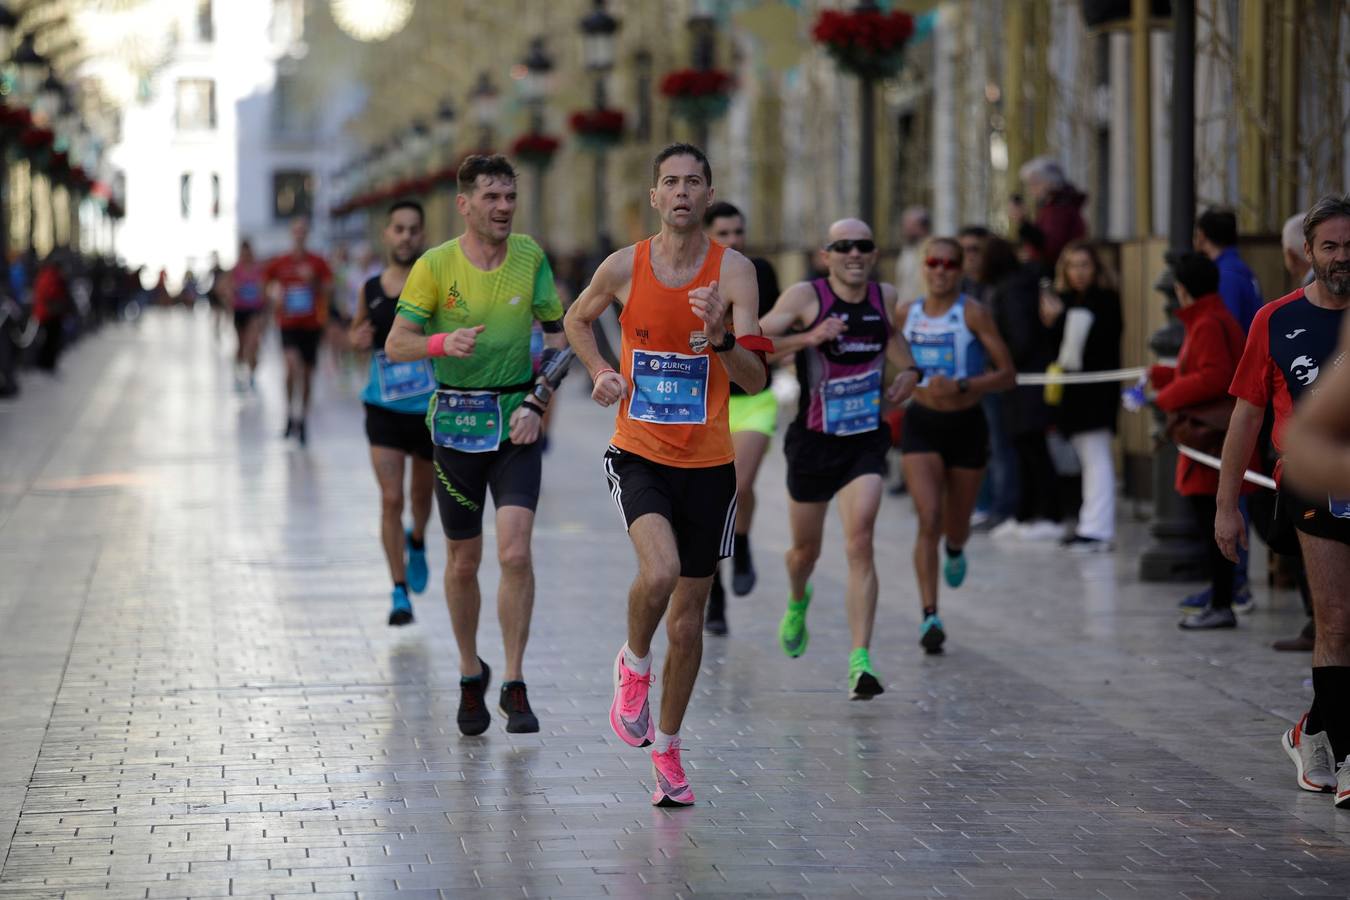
pixel 1110 375
pixel 1205 459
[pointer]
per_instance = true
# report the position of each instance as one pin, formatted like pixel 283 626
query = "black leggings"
pixel 1037 480
pixel 53 338
pixel 1221 570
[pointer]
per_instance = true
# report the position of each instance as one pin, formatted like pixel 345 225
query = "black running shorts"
pixel 242 318
pixel 398 431
pixel 512 471
pixel 820 465
pixel 961 438
pixel 1313 518
pixel 699 504
pixel 305 340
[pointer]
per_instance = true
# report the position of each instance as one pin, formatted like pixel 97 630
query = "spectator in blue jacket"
pixel 1216 236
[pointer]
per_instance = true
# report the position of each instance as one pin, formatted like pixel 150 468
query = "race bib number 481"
pixel 669 388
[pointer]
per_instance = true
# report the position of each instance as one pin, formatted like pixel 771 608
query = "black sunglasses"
pixel 864 246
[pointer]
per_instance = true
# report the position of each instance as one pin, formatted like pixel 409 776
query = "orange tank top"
pixel 676 409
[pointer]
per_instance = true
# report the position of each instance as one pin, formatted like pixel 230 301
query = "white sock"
pixel 641 665
pixel 663 740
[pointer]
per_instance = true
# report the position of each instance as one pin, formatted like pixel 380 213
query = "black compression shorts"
pixel 513 472
pixel 242 318
pixel 820 465
pixel 305 340
pixel 700 505
pixel 398 431
pixel 1314 518
pixel 961 438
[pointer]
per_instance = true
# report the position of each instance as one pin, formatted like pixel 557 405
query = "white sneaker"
pixel 1041 530
pixel 1010 529
pixel 1083 546
pixel 1311 754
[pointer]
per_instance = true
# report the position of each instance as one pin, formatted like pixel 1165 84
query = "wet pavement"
pixel 201 698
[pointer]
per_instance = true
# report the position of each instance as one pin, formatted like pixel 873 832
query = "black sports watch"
pixel 542 392
pixel 728 343
pixel 963 385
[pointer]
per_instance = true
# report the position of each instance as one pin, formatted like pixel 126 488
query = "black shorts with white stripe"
pixel 700 505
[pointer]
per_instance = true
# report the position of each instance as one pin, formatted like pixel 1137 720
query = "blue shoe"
pixel 1242 599
pixel 417 566
pixel 931 634
pixel 954 570
pixel 401 612
pixel 1197 601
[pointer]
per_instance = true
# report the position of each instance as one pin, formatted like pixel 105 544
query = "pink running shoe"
pixel 672 788
pixel 630 715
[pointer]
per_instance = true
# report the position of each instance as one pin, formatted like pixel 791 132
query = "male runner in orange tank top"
pixel 670 464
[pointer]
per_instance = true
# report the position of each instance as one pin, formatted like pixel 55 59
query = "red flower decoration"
pixel 868 44
pixel 598 122
pixel 15 118
pixel 697 83
pixel 535 148
pixel 36 138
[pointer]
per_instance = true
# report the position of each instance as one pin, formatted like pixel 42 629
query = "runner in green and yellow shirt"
pixel 470 305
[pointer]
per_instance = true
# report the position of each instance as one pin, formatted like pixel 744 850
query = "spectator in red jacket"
pixel 1197 389
pixel 51 302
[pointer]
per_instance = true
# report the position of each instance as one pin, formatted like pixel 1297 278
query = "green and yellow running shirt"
pixel 445 292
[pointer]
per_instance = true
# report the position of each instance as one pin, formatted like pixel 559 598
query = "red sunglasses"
pixel 950 265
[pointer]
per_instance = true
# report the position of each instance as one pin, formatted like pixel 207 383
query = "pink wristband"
pixel 436 344
pixel 603 371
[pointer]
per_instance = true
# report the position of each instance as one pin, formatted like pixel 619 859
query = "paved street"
pixel 201 698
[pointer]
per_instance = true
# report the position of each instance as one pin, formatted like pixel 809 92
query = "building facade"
pixel 216 146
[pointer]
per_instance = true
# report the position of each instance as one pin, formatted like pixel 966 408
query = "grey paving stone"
pixel 211 703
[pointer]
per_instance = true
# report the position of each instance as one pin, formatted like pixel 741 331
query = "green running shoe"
pixel 954 570
pixel 862 682
pixel 792 634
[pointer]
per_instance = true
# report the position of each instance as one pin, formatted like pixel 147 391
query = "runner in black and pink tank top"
pixel 841 330
pixel 841 379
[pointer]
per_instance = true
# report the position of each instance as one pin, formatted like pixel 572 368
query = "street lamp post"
pixel 29 66
pixel 703 30
pixel 642 69
pixel 483 99
pixel 598 30
pixel 443 133
pixel 535 87
pixel 867 144
pixel 1176 552
pixel 417 144
pixel 8 22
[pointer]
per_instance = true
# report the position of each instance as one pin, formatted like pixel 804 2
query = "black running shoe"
pixel 300 431
pixel 932 635
pixel 742 566
pixel 290 428
pixel 716 620
pixel 515 705
pixel 742 574
pixel 474 717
